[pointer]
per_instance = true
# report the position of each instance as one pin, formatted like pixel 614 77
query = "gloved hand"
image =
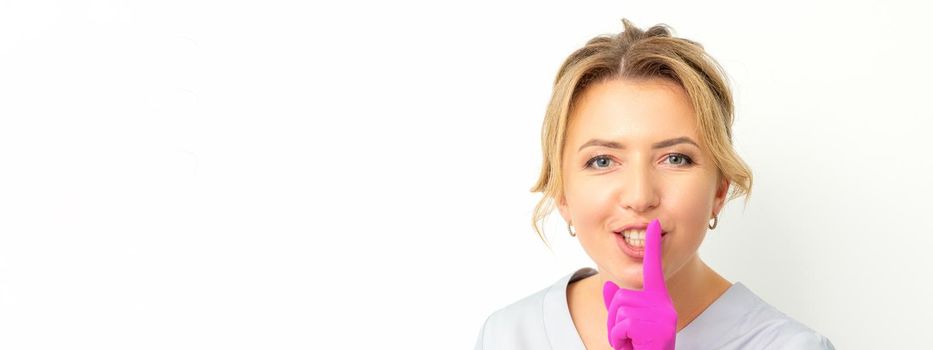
pixel 643 319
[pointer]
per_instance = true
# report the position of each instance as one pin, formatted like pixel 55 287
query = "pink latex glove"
pixel 643 319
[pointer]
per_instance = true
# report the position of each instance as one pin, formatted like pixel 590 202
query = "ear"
pixel 722 189
pixel 564 208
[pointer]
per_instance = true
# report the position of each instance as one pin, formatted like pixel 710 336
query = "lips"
pixel 637 253
pixel 637 227
pixel 641 228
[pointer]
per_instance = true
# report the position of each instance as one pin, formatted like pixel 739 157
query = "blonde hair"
pixel 641 54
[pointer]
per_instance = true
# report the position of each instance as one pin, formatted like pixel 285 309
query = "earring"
pixel 715 222
pixel 572 234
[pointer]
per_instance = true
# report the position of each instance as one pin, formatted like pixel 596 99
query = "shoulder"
pixel 524 324
pixel 785 332
pixel 511 326
pixel 808 339
pixel 773 329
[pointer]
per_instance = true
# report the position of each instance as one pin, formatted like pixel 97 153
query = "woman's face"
pixel 640 178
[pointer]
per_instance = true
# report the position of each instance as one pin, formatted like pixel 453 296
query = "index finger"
pixel 653 274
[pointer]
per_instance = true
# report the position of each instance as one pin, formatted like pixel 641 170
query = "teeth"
pixel 635 238
pixel 634 234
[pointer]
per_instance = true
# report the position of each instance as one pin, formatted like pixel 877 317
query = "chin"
pixel 633 281
pixel 628 275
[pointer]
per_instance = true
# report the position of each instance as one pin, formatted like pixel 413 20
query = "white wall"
pixel 194 174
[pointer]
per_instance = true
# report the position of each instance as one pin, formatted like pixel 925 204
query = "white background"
pixel 289 175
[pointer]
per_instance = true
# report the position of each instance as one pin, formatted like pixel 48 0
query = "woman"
pixel 639 131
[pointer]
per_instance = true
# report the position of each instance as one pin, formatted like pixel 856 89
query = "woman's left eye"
pixel 679 159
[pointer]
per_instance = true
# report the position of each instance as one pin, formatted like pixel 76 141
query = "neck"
pixel 692 289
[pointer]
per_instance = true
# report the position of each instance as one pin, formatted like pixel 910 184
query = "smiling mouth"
pixel 635 238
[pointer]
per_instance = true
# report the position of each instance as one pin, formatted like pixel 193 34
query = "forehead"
pixel 632 112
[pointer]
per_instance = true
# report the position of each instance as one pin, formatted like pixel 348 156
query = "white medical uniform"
pixel 738 319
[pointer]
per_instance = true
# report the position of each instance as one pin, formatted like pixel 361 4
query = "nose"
pixel 639 190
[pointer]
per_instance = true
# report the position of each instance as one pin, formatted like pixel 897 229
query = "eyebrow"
pixel 656 145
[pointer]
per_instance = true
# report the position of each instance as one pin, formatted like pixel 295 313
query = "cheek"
pixel 593 211
pixel 690 203
pixel 593 204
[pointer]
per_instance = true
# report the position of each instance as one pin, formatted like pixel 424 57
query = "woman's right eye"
pixel 595 160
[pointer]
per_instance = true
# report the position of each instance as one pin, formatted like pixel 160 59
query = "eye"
pixel 600 159
pixel 680 159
